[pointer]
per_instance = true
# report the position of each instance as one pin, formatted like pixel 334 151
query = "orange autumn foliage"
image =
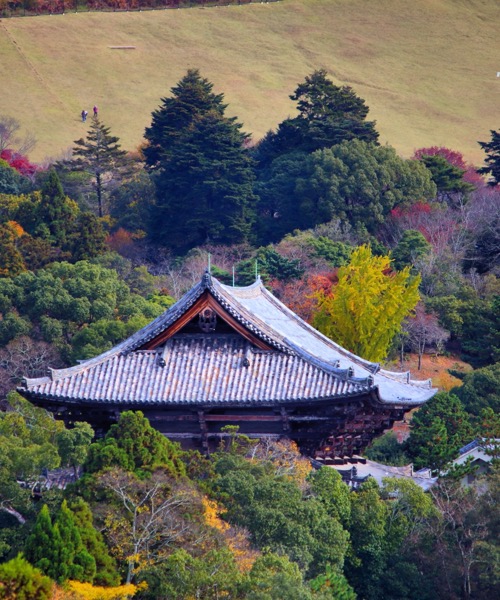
pixel 235 537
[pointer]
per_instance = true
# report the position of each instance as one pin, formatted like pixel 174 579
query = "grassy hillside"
pixel 427 68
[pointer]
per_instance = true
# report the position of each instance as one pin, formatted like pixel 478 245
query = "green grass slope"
pixel 427 68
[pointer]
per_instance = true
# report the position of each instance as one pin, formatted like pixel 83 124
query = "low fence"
pixel 27 8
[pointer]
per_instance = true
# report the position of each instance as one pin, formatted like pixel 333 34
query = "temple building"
pixel 227 355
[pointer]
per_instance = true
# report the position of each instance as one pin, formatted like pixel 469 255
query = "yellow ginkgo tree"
pixel 365 309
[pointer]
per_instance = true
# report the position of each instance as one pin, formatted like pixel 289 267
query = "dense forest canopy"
pixel 97 245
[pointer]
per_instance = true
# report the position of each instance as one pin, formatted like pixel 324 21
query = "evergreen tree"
pixel 74 560
pixel 10 180
pixel 133 445
pixel 73 444
pixel 354 181
pixel 492 160
pixel 93 542
pixel 191 98
pixel 20 581
pixel 204 176
pixel 88 239
pixel 438 430
pixel 410 248
pixel 43 545
pixel 56 547
pixel 367 562
pixel 99 156
pixel 328 115
pixel 56 213
pixel 448 178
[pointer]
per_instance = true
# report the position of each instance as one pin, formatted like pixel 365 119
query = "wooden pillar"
pixel 203 430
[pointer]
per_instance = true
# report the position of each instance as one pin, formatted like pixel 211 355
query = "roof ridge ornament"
pixel 206 279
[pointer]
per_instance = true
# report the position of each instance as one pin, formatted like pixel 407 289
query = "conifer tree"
pixel 56 212
pixel 492 160
pixel 191 98
pixel 134 445
pixel 100 156
pixel 20 581
pixel 56 547
pixel 43 544
pixel 203 171
pixel 328 115
pixel 93 542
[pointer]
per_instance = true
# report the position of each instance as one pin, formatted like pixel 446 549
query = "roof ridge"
pixel 369 365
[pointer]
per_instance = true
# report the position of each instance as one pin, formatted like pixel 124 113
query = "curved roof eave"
pixel 256 308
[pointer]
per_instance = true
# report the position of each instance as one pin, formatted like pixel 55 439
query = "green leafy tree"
pixel 474 323
pixel 21 581
pixel 211 576
pixel 410 248
pixel 387 450
pixel 73 444
pixel 360 183
pixel 334 585
pixel 132 444
pixel 99 155
pixel 480 390
pixel 279 516
pixel 366 307
pixel 492 166
pixel 328 486
pixel 356 182
pixel 275 577
pixel 10 180
pixel 438 430
pixel 366 563
pixel 27 440
pixel 62 300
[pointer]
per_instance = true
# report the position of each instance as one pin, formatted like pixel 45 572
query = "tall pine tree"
pixel 203 171
pixel 492 160
pixel 328 115
pixel 191 98
pixel 56 548
pixel 100 156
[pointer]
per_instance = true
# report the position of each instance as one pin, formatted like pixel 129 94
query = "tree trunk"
pixel 98 186
pixel 11 511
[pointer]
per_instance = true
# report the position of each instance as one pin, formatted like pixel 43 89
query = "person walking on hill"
pixel 84 115
pixel 96 110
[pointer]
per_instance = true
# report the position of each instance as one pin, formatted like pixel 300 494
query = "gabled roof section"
pixel 261 322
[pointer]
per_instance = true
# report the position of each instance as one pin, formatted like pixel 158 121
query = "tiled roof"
pixel 303 364
pixel 194 369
